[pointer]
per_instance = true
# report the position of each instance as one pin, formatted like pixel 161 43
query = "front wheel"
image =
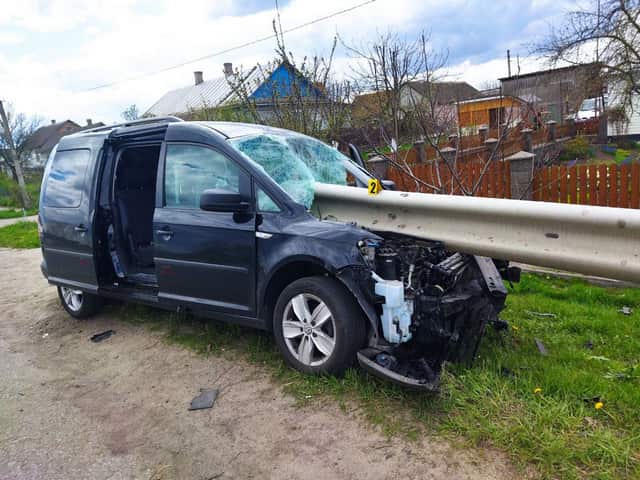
pixel 77 303
pixel 318 326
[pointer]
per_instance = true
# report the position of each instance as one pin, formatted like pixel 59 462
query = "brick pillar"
pixel 527 144
pixel 521 164
pixel 448 154
pixel 380 166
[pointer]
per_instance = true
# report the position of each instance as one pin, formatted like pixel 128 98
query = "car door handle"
pixel 165 232
pixel 80 228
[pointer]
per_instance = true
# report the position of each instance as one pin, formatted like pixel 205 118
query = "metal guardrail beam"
pixel 591 240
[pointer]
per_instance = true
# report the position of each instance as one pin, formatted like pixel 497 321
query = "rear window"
pixel 65 181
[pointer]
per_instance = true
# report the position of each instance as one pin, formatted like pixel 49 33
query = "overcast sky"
pixel 52 52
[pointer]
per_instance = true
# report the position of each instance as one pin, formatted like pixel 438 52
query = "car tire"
pixel 318 326
pixel 77 303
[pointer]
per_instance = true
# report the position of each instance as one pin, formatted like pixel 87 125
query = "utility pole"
pixel 509 62
pixel 13 156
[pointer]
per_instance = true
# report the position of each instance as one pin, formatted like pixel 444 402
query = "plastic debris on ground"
pixel 98 337
pixel 541 314
pixel 205 399
pixel 541 348
pixel 626 310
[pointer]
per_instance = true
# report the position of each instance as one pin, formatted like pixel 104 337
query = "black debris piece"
pixel 588 344
pixel 500 325
pixel 205 399
pixel 541 348
pixel 507 372
pixel 98 337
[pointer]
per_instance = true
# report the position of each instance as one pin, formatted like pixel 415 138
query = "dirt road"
pixel 72 409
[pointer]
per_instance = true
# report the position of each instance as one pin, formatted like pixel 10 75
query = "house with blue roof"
pixel 260 87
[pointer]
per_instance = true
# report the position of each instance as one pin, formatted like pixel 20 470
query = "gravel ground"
pixel 73 409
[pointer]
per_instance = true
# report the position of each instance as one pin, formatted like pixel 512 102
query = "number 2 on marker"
pixel 374 186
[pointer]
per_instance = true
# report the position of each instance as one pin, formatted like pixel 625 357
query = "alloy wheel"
pixel 309 329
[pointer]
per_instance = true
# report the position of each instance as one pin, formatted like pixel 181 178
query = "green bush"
pixel 578 147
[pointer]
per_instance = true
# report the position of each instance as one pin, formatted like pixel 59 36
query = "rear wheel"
pixel 318 326
pixel 77 303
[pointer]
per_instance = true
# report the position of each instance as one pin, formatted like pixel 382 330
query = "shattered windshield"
pixel 295 162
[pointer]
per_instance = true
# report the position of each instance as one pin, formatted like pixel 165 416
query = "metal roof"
pixel 212 93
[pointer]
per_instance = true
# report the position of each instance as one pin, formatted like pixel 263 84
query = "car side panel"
pixel 68 234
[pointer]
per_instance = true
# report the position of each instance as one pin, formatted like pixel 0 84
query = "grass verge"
pixel 540 410
pixel 17 213
pixel 20 235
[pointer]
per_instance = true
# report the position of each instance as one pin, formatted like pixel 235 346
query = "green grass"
pixel 10 195
pixel 20 235
pixel 621 155
pixel 557 432
pixel 17 213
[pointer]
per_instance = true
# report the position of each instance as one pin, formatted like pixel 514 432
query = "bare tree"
pixel 604 31
pixel 310 101
pixel 15 149
pixel 430 109
pixel 384 67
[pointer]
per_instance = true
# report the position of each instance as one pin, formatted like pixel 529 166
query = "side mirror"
pixel 356 156
pixel 388 184
pixel 223 201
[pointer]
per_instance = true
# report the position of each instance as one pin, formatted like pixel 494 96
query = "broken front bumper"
pixel 445 327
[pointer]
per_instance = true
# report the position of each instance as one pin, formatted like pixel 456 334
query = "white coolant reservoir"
pixel 396 311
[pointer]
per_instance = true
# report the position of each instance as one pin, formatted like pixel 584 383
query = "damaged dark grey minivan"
pixel 218 219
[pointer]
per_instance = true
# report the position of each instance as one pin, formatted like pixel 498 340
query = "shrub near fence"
pixel 604 185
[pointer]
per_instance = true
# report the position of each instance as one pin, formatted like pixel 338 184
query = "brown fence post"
pixel 551 133
pixel 521 167
pixel 421 154
pixel 448 156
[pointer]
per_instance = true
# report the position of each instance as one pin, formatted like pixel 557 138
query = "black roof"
pixel 226 129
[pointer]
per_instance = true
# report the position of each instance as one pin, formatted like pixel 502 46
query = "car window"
pixel 65 180
pixel 265 202
pixel 190 170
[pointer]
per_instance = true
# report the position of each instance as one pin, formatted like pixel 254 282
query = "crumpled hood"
pixel 329 230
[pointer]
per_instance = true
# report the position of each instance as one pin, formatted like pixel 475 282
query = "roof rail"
pixel 135 123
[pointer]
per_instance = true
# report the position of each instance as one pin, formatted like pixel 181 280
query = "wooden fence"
pixel 496 182
pixel 604 185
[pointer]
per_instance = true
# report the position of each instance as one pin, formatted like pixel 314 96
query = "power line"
pixel 228 50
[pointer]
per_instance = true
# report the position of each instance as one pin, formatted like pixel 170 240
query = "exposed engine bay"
pixel 434 306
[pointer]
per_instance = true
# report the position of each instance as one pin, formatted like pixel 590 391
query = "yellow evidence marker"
pixel 374 186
